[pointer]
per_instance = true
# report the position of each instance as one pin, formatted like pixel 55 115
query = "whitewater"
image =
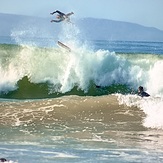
pixel 80 106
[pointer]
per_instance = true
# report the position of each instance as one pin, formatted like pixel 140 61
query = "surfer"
pixel 3 160
pixel 142 93
pixel 61 16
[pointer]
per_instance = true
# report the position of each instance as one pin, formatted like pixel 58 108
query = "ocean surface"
pixel 80 106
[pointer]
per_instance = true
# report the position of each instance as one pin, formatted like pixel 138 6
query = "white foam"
pixel 11 162
pixel 59 154
pixel 154 111
pixel 151 106
pixel 155 83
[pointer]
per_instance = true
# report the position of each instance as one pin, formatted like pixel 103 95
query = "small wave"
pixel 151 106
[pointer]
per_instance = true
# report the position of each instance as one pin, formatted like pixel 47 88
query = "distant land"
pixel 103 29
pixel 90 28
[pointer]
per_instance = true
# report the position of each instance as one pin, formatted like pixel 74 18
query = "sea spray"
pixel 153 109
pixel 151 106
pixel 155 83
pixel 80 68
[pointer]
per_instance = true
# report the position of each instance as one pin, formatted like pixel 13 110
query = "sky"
pixel 144 12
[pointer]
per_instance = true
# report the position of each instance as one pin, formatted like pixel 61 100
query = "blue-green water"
pixel 31 72
pixel 80 106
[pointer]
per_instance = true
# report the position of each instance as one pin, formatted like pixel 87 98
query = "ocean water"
pixel 80 106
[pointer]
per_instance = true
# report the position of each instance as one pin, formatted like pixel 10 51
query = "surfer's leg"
pixel 61 13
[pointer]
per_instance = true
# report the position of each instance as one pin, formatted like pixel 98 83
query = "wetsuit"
pixel 143 94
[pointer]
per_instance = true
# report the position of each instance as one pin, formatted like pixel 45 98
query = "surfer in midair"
pixel 61 16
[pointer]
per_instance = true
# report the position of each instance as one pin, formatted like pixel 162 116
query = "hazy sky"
pixel 145 12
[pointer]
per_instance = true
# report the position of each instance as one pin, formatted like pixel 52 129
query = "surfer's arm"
pixel 57 21
pixel 67 17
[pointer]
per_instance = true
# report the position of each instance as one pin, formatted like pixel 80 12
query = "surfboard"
pixel 64 46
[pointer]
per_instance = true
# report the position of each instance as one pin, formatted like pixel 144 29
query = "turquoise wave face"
pixel 27 90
